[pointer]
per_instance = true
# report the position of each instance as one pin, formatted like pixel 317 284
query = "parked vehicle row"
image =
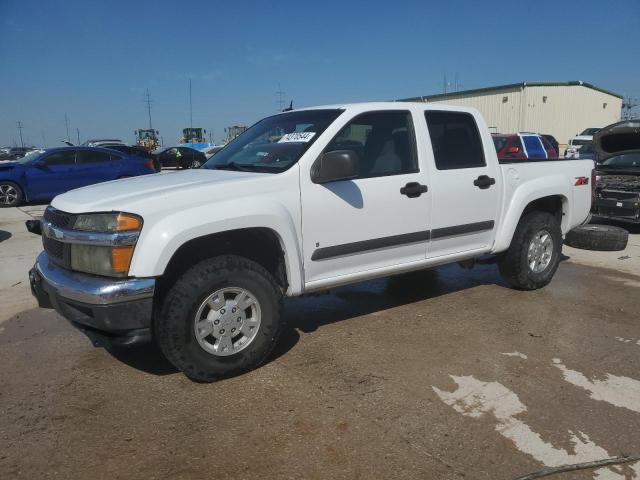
pixel 519 146
pixel 46 173
pixel 302 201
pixel 575 143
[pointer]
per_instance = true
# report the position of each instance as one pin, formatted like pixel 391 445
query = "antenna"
pixel 147 105
pixel 280 100
pixel 19 123
pixel 78 132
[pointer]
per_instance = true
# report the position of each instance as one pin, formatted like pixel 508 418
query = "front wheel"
pixel 220 318
pixel 10 195
pixel 534 254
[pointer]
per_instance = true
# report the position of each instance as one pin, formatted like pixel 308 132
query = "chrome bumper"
pixel 90 289
pixel 108 310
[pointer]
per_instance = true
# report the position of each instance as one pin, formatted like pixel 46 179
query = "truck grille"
pixel 59 252
pixel 59 218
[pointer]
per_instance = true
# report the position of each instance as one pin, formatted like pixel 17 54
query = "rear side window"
pixel 88 156
pixel 455 140
pixel 66 157
pixel 384 142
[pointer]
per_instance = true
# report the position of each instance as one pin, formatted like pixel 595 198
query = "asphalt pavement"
pixel 445 374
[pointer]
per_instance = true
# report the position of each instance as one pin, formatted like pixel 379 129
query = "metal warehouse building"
pixel 562 109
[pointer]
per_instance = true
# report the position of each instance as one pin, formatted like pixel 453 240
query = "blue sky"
pixel 93 60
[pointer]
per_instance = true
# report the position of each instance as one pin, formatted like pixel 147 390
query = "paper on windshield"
pixel 303 137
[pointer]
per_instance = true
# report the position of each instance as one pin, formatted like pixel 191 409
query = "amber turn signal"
pixel 127 222
pixel 121 258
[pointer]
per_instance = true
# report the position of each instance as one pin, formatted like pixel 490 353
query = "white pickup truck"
pixel 200 260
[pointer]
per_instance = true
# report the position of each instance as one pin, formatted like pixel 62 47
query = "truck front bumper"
pixel 109 311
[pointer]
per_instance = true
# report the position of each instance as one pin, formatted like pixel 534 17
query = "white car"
pixel 303 201
pixel 586 136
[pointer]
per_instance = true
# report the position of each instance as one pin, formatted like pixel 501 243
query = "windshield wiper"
pixel 242 167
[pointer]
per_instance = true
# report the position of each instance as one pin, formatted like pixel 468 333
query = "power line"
pixel 19 123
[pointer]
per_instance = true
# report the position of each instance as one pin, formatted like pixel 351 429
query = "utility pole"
pixel 20 130
pixel 190 107
pixel 66 124
pixel 280 100
pixel 78 132
pixel 147 105
pixel 628 104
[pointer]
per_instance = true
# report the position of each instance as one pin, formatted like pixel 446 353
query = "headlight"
pixel 118 231
pixel 107 222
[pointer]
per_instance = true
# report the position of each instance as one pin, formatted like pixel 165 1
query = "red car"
pixel 514 146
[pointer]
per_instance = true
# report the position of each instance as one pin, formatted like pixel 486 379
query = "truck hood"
pixel 163 191
pixel 617 138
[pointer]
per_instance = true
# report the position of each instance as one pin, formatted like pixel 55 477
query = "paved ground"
pixel 444 375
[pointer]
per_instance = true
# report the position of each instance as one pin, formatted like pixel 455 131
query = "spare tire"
pixel 604 238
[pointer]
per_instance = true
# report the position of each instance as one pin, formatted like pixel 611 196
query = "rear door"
pixel 95 166
pixel 466 190
pixel 53 175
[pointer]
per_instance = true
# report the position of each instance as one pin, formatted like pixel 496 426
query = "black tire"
pixel 605 238
pixel 10 194
pixel 514 265
pixel 174 327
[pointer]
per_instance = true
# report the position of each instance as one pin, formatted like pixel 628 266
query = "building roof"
pixel 508 87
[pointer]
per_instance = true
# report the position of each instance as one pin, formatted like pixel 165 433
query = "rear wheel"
pixel 534 254
pixel 221 318
pixel 10 195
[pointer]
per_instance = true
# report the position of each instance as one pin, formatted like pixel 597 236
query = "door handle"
pixel 413 189
pixel 484 181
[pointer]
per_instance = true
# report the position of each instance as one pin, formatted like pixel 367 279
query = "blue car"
pixel 46 173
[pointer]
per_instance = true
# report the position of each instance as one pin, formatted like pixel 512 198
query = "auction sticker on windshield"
pixel 297 137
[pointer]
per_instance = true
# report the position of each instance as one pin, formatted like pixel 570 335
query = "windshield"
pixel 32 155
pixel 628 160
pixel 586 148
pixel 499 142
pixel 589 131
pixel 274 144
pixel 578 143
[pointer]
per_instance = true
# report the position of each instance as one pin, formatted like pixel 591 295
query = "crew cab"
pixel 200 260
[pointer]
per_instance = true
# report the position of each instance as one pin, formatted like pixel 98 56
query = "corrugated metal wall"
pixel 501 109
pixel 561 111
pixel 565 111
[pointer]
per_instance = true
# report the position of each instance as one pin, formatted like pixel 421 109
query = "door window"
pixel 455 140
pixel 383 141
pixel 88 156
pixel 65 157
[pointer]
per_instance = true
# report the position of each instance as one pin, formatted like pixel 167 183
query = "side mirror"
pixel 335 166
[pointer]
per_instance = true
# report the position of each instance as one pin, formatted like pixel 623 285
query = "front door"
pixel 351 226
pixel 466 190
